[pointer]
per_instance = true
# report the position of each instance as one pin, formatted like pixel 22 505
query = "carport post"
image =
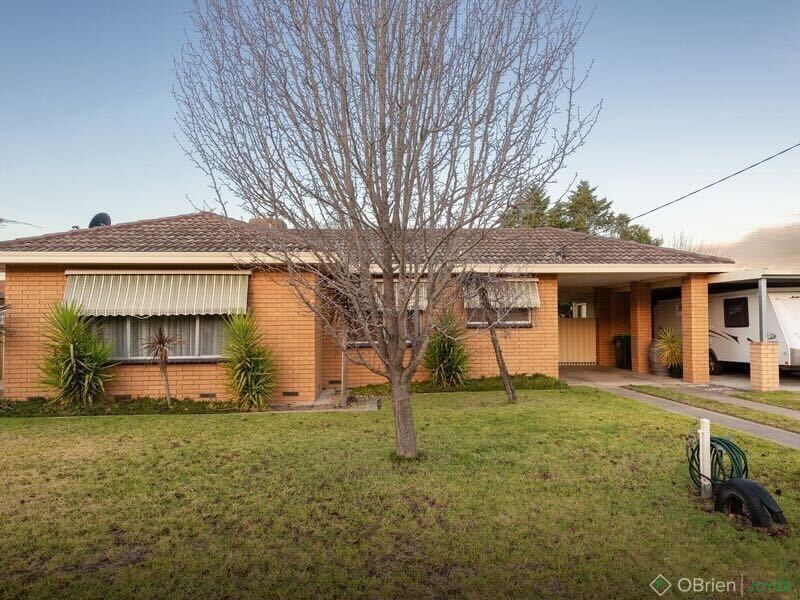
pixel 764 369
pixel 762 309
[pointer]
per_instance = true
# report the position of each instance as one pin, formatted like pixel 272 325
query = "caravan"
pixel 733 322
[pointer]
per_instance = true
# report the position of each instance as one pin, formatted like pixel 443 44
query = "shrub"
pixel 248 364
pixel 670 348
pixel 446 357
pixel 78 361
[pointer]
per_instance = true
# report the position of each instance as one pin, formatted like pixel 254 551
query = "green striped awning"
pixel 507 294
pixel 142 295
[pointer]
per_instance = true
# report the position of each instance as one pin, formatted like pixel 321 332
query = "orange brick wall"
pixel 602 313
pixel 30 294
pixel 526 350
pixel 612 310
pixel 291 332
pixel 694 328
pixel 641 327
pixel 289 327
pixel 186 380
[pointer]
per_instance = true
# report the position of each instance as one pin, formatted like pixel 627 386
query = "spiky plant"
pixel 158 347
pixel 249 365
pixel 670 348
pixel 446 357
pixel 77 364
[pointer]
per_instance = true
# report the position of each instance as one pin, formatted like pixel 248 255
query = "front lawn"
pixel 782 398
pixel 569 493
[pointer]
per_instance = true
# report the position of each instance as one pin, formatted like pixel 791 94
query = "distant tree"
pixel 584 211
pixel 635 233
pixel 531 210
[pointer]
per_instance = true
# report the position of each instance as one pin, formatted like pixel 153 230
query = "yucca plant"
pixel 249 365
pixel 670 349
pixel 446 357
pixel 77 364
pixel 158 347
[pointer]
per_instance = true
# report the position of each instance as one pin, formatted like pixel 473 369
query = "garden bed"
pixel 536 381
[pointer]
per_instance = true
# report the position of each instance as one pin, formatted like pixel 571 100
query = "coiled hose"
pixel 728 461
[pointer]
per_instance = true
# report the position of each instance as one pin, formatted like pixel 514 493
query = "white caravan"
pixel 733 322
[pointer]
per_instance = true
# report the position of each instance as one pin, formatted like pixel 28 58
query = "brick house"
pixel 190 270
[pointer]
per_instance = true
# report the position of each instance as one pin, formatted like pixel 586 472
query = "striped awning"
pixel 507 294
pixel 142 295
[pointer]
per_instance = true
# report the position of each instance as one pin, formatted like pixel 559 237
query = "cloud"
pixel 777 246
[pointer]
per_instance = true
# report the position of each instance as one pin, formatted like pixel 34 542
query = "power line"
pixel 12 221
pixel 705 187
pixel 560 253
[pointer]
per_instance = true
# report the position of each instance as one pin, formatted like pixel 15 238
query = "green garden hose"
pixel 728 461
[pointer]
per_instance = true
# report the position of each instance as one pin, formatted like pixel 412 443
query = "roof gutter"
pixel 249 258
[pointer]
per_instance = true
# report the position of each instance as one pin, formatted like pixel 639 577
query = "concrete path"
pixel 773 434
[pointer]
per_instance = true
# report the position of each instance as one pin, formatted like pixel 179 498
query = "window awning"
pixel 143 295
pixel 507 294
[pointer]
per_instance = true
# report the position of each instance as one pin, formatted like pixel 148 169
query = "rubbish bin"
pixel 622 350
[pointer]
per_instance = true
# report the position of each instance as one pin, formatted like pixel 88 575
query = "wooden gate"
pixel 577 343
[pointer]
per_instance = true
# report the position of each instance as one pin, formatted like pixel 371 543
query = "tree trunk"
pixel 405 433
pixel 343 399
pixel 166 384
pixel 492 317
pixel 508 385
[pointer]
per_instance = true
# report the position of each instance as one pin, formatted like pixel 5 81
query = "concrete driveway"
pixel 609 376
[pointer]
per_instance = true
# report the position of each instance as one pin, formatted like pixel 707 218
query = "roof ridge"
pixel 117 226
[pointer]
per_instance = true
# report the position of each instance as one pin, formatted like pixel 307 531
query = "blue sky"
pixel 691 91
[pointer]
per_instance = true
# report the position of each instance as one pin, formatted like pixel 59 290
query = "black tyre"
pixel 714 366
pixel 738 497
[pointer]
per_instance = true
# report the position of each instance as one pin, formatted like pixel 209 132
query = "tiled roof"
pixel 208 232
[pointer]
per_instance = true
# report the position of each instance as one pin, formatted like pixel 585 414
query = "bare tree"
pixel 387 135
pixel 686 242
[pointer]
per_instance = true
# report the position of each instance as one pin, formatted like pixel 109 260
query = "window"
pixel 515 317
pixel 736 313
pixel 201 336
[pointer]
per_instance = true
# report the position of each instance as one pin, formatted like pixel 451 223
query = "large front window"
pixel 199 337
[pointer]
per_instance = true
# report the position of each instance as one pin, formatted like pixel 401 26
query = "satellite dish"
pixel 100 220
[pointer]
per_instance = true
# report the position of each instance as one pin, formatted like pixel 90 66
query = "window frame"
pixel 738 300
pixel 196 357
pixel 501 324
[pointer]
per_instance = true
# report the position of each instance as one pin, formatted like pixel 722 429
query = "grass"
pixel 536 381
pixel 135 406
pixel 757 416
pixel 569 493
pixel 782 398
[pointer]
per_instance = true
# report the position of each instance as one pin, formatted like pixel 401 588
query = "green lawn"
pixel 743 412
pixel 782 398
pixel 570 493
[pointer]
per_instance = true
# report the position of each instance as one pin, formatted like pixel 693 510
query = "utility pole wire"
pixel 561 254
pixel 705 187
pixel 12 221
